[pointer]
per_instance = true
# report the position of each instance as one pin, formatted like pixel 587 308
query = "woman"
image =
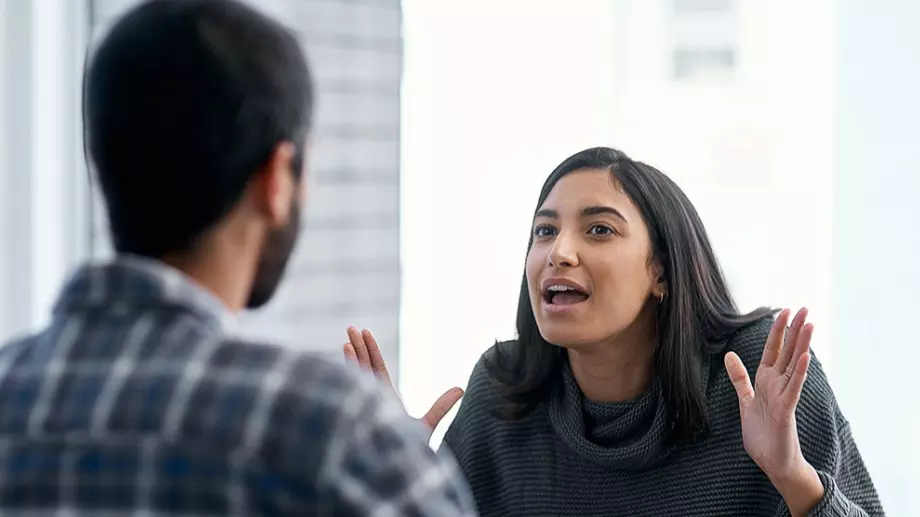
pixel 628 390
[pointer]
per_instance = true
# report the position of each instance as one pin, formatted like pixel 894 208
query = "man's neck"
pixel 227 276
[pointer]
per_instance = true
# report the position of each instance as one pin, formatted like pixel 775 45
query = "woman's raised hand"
pixel 363 349
pixel 768 427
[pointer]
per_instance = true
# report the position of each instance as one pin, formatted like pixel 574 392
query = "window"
pixel 41 172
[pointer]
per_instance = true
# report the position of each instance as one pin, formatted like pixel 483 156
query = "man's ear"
pixel 275 186
pixel 304 172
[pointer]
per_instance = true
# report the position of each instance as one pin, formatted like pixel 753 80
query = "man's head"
pixel 197 116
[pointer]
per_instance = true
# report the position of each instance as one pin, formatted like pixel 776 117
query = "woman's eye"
pixel 600 230
pixel 544 231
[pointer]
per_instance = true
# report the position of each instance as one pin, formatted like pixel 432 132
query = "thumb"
pixel 740 379
pixel 441 407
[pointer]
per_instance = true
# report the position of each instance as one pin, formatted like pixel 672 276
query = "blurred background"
pixel 790 125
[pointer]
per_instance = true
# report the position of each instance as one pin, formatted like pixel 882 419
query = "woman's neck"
pixel 618 370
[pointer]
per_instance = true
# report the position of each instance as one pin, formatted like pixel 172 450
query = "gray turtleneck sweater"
pixel 574 457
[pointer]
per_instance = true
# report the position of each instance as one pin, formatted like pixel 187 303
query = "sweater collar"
pixel 621 435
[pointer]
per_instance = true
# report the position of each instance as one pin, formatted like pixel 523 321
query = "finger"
pixel 378 364
pixel 441 407
pixel 349 350
pixel 357 341
pixel 789 337
pixel 774 342
pixel 740 379
pixel 786 357
pixel 801 349
pixel 793 390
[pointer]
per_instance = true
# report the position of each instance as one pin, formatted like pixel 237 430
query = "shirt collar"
pixel 131 281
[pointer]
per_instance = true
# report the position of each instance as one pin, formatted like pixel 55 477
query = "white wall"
pixel 5 179
pixel 41 172
pixel 876 275
pixel 754 152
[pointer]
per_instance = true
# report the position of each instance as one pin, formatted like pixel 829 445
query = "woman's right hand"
pixel 362 348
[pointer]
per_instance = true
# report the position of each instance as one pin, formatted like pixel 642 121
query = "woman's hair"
pixel 696 317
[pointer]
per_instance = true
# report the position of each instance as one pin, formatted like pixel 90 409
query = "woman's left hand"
pixel 768 426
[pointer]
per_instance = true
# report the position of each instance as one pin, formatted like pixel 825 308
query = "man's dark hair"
pixel 185 101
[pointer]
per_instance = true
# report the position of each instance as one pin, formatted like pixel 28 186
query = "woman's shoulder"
pixel 482 385
pixel 478 423
pixel 748 341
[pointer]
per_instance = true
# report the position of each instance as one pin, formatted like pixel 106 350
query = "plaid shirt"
pixel 137 401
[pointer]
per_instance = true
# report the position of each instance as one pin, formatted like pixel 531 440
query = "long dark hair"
pixel 695 318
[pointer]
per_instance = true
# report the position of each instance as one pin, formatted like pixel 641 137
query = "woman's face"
pixel 588 270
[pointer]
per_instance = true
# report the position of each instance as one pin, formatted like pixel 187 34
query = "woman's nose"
pixel 563 253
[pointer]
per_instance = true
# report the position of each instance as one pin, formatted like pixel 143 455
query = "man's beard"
pixel 275 255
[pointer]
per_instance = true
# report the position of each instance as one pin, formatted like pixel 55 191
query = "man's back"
pixel 136 399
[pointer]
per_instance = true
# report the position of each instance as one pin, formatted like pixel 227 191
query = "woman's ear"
pixel 660 285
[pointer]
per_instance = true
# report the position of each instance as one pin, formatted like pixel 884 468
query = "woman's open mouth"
pixel 562 298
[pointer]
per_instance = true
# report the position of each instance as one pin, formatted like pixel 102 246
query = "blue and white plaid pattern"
pixel 137 401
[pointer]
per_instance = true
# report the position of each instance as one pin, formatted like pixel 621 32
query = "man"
pixel 137 399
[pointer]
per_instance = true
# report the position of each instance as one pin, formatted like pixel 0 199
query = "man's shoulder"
pixel 239 356
pixel 284 408
pixel 315 414
pixel 297 379
pixel 185 382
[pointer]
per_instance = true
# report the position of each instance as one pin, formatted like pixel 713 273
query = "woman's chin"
pixel 572 337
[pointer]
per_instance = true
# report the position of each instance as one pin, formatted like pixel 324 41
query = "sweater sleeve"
pixel 848 489
pixel 829 447
pixel 824 435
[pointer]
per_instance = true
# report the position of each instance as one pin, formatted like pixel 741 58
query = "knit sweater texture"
pixel 574 457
